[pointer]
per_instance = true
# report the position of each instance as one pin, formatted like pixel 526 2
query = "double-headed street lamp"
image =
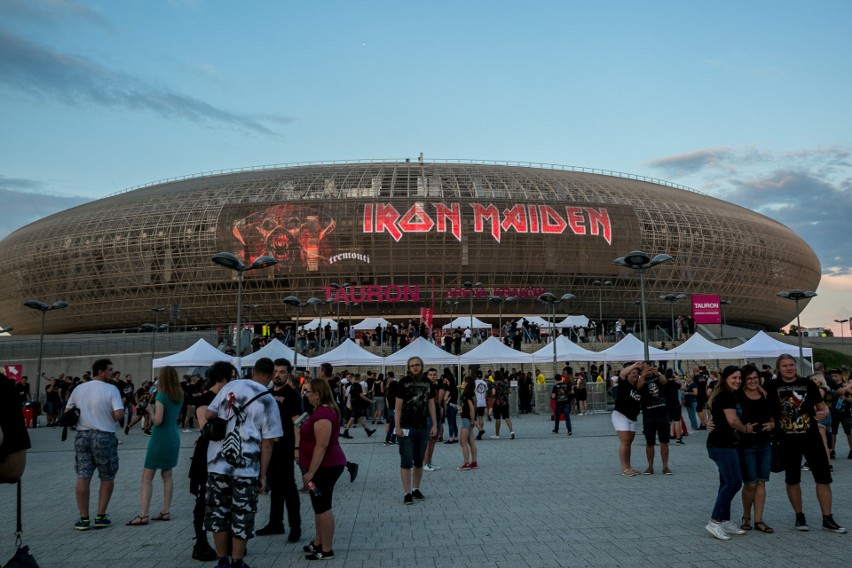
pixel 600 286
pixel 841 322
pixel 499 300
pixel 640 260
pixel 552 301
pixel 796 295
pixel 338 286
pixel 671 299
pixel 154 328
pixel 43 308
pixel 230 260
pixel 295 302
pixel 472 286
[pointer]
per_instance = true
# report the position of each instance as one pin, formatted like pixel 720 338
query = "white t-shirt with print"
pixel 262 422
pixel 480 387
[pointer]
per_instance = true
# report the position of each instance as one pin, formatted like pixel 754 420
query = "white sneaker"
pixel 430 467
pixel 495 437
pixel 716 530
pixel 731 528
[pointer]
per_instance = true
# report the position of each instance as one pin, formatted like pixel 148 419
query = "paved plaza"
pixel 541 500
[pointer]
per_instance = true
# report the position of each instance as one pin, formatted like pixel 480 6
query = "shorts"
pixel 231 505
pixel 501 411
pixel 808 445
pixel 96 449
pixel 581 395
pixel 480 411
pixel 674 412
pixel 466 424
pixel 755 462
pixel 846 422
pixel 358 412
pixel 655 425
pixel 412 448
pixel 621 423
pixel 324 479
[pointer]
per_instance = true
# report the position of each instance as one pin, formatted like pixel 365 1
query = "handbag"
pixel 68 419
pixel 22 557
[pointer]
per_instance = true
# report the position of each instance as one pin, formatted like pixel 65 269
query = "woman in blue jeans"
pixel 755 450
pixel 722 446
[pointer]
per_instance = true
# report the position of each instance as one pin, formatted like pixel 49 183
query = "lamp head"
pixel 262 262
pixel 37 305
pixel 228 260
pixel 566 297
pixel 292 301
pixel 547 298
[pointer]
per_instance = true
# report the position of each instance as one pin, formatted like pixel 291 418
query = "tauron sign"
pixel 527 219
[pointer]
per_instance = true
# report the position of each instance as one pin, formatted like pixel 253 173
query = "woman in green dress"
pixel 163 446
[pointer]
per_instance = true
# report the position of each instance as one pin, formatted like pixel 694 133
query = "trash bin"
pixel 32 410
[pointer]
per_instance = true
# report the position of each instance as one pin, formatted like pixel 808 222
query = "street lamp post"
pixel 472 286
pixel 295 302
pixel 796 295
pixel 841 322
pixel 671 299
pixel 552 301
pixel 722 304
pixel 338 286
pixel 500 301
pixel 43 308
pixel 154 328
pixel 639 260
pixel 600 286
pixel 230 260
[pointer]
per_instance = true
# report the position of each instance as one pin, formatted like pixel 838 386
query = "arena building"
pixel 406 235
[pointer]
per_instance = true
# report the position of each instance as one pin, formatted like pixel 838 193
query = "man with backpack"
pixel 237 465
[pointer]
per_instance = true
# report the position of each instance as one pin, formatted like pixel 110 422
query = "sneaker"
pixel 828 524
pixel 408 499
pixel 681 442
pixel 716 530
pixel 430 467
pixel 464 467
pixel 806 467
pixel 667 471
pixel 474 465
pixel 186 430
pixel 370 432
pixel 353 471
pixel 480 435
pixel 417 495
pixel 495 437
pixel 346 435
pixel 311 547
pixel 832 455
pixel 295 535
pixel 101 522
pixel 320 555
pixel 731 528
pixel 801 523
pixel 83 524
pixel 555 431
pixel 511 435
pixel 238 564
pixel 570 433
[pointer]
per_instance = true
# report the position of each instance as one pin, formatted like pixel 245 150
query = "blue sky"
pixel 747 101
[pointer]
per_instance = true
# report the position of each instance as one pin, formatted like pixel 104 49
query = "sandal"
pixel 763 527
pixel 138 521
pixel 162 517
pixel 746 526
pixel 629 472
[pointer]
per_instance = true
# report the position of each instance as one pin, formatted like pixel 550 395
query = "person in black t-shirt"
pixel 561 394
pixel 280 475
pixel 360 407
pixel 625 414
pixel 655 417
pixel 799 407
pixel 415 403
pixel 390 403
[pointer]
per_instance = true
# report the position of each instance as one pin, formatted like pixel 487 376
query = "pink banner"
pixel 14 372
pixel 706 308
pixel 426 314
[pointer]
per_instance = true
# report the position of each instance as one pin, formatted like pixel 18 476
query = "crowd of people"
pixel 255 432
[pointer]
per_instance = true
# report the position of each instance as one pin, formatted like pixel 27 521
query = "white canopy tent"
pixel 566 350
pixel 762 346
pixel 464 323
pixel 574 321
pixel 320 322
pixel 630 349
pixel 696 348
pixel 347 353
pixel 199 354
pixel 370 324
pixel 539 321
pixel 274 350
pixel 494 351
pixel 430 353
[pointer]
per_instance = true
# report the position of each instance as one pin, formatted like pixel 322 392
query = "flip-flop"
pixel 138 521
pixel 162 517
pixel 629 473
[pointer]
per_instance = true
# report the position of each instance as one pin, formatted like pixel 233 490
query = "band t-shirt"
pixel 562 392
pixel 415 395
pixel 627 400
pixel 653 397
pixel 797 402
pixel 481 388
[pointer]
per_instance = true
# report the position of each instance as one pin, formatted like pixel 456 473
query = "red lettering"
pixel 551 222
pixel 341 295
pixel 392 293
pixel 361 294
pixel 386 218
pixel 515 218
pixel 374 294
pixel 416 220
pixel 451 214
pixel 328 292
pixel 481 213
pixel 576 220
pixel 599 223
pixel 410 294
pixel 533 219
pixel 368 218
